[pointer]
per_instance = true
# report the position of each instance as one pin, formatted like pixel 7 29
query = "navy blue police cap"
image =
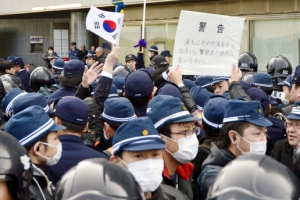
pixel 74 67
pixel 296 78
pixel 29 125
pixel 245 111
pixel 200 95
pixel 130 57
pixel 295 113
pixel 9 98
pixel 113 91
pixel 138 84
pixel 213 112
pixel 219 79
pixel 71 109
pixel 18 61
pixel 165 53
pixel 164 109
pixel 30 99
pixel 204 81
pixel 118 110
pixel 59 64
pixel 137 135
pixel 168 88
pixel 153 48
pixel 262 79
pixel 287 82
pixel 119 82
pixel 91 54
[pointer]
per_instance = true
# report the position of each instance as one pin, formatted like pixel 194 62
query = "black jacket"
pixel 100 95
pixel 203 153
pixel 277 131
pixel 166 192
pixel 188 99
pixel 102 58
pixel 212 165
pixel 185 183
pixel 283 153
pixel 40 186
pixel 237 91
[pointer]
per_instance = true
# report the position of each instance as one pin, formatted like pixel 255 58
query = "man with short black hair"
pixel 7 67
pixel 43 147
pixel 74 52
pixel 130 60
pixel 220 85
pixel 177 129
pixel 90 58
pixel 22 73
pixel 76 122
pixel 243 132
pixel 140 150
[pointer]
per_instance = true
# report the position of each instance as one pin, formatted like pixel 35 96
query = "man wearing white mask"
pixel 243 132
pixel 138 147
pixel 48 56
pixel 37 133
pixel 177 129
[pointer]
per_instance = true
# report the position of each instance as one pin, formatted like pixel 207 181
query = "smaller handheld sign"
pixel 207 44
pixel 105 24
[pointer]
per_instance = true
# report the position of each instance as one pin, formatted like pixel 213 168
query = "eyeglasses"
pixel 289 125
pixel 188 133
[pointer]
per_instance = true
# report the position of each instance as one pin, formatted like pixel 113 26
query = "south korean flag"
pixel 105 24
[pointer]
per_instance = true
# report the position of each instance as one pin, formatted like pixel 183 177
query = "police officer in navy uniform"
pixel 41 143
pixel 71 78
pixel 130 60
pixel 72 113
pixel 22 73
pixel 74 52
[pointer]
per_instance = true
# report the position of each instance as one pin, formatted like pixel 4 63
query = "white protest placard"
pixel 207 44
pixel 107 25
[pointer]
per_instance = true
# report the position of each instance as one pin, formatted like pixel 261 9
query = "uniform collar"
pixel 69 137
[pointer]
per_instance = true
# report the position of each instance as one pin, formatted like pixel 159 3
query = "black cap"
pixel 165 53
pixel 130 57
pixel 159 61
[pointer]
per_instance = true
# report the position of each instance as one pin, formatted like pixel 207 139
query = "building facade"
pixel 272 27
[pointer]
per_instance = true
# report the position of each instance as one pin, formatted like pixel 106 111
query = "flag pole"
pixel 143 25
pixel 144 16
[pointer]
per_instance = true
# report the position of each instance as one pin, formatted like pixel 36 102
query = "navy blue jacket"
pixel 76 52
pixel 61 93
pixel 25 77
pixel 277 131
pixel 141 111
pixel 73 152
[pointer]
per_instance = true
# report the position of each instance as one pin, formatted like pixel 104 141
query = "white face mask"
pixel 148 173
pixel 259 148
pixel 54 160
pixel 188 149
pixel 50 52
pixel 283 100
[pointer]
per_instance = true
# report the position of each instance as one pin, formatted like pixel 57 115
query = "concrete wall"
pixel 15 35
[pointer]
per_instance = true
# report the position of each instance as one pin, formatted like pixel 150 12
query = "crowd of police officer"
pixel 94 128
